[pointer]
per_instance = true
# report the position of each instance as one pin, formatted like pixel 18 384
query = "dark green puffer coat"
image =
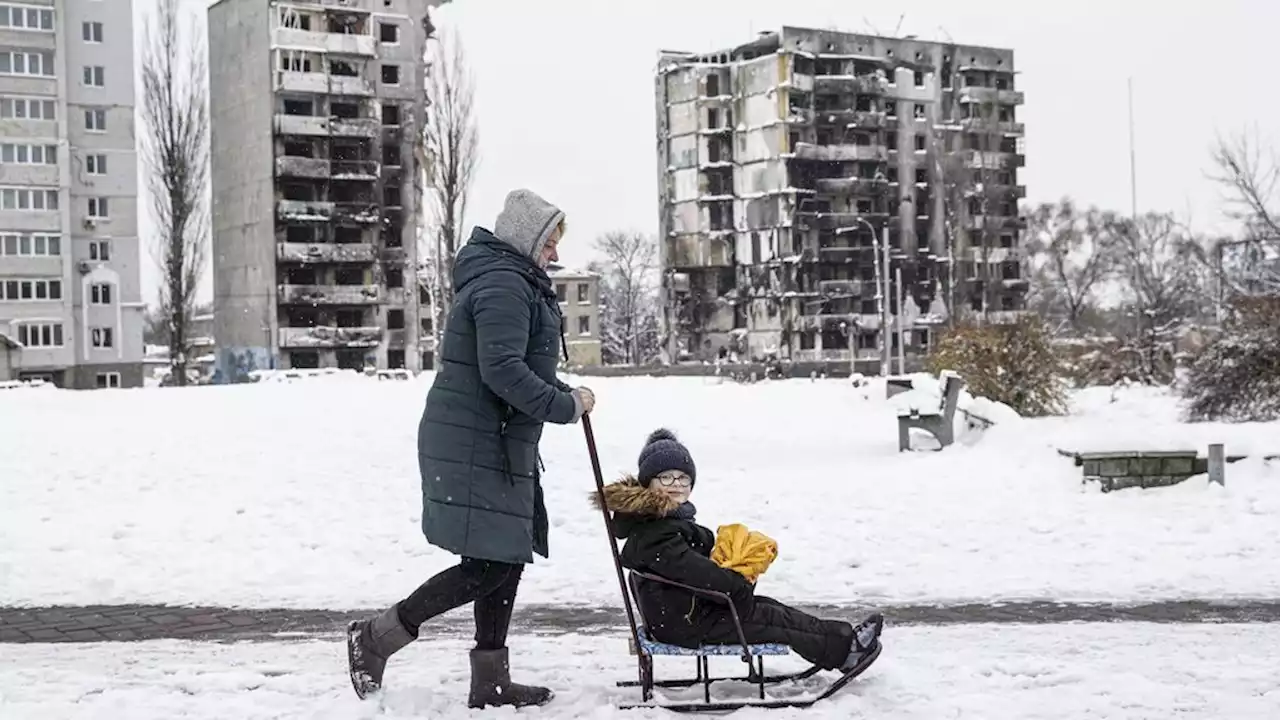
pixel 495 387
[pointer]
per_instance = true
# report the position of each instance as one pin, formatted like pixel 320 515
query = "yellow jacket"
pixel 747 552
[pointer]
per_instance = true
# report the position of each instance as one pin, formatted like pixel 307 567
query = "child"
pixel 652 512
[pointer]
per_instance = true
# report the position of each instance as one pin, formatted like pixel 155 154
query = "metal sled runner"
pixel 646 648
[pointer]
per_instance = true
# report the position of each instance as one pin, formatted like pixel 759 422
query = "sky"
pixel 565 97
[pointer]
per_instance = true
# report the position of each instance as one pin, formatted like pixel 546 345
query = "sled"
pixel 646 648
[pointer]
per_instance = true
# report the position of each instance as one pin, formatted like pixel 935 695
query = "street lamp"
pixel 881 251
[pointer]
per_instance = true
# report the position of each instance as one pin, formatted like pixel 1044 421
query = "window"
pixel 395 279
pixel 395 319
pixel 919 142
pixel 95 120
pixel 917 111
pixel 16 245
pixel 18 108
pixel 295 61
pixel 95 164
pixel 91 32
pixel 102 337
pixel 100 293
pixel 390 115
pixel 40 199
pixel 26 63
pixel 388 33
pixel 391 155
pixel 95 76
pixel 18 17
pixel 584 293
pixel 922 175
pixel 395 359
pixel 560 292
pixel 919 78
pixel 99 208
pixel 390 74
pixel 391 195
pixel 584 325
pixel 108 380
pixel 35 335
pixel 100 250
pixel 23 154
pixel 30 290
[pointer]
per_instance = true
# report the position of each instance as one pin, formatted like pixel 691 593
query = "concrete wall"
pixel 243 259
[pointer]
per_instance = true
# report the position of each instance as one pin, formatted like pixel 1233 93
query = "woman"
pixel 478 448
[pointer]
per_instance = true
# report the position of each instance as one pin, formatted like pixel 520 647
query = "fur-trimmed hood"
pixel 633 503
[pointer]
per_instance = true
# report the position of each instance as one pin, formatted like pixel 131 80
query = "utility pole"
pixel 886 345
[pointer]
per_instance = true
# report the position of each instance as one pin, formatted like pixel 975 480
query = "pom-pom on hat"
pixel 663 452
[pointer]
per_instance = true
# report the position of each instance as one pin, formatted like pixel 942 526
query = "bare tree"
pixel 1071 254
pixel 450 152
pixel 628 295
pixel 1160 267
pixel 1251 179
pixel 176 151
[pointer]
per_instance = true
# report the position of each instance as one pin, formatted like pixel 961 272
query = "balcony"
pixel 841 153
pixel 304 210
pixel 353 127
pixel 995 222
pixel 330 294
pixel 330 337
pixel 302 167
pixel 354 170
pixel 325 42
pixel 315 126
pixel 360 213
pixel 852 186
pixel 302 125
pixel 862 119
pixel 1014 129
pixel 322 84
pixel 977 159
pixel 325 252
pixel 990 95
pixel 848 288
pixel 835 221
pixel 864 84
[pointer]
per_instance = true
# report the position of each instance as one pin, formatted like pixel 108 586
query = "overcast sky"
pixel 565 92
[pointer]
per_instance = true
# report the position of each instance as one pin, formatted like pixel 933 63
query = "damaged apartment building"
pixel 787 163
pixel 316 108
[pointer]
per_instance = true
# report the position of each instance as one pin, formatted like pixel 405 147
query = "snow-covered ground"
pixel 306 494
pixel 977 672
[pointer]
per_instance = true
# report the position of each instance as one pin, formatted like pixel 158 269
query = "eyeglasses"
pixel 674 479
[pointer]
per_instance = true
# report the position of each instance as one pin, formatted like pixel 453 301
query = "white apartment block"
pixel 70 296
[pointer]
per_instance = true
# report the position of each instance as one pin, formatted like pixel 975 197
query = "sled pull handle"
pixel 608 527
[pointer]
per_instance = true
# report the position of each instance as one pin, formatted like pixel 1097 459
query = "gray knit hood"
pixel 526 222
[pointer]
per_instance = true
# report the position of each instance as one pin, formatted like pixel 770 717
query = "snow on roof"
pixel 560 271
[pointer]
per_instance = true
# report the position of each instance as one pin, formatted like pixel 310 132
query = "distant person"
pixel 478 448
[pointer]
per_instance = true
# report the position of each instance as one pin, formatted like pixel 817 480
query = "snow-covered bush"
pixel 1237 376
pixel 1013 363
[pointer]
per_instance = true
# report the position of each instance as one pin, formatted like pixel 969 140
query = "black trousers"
pixel 491 588
pixel 824 643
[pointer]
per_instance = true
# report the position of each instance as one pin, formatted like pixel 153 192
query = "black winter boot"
pixel 866 641
pixel 369 644
pixel 491 683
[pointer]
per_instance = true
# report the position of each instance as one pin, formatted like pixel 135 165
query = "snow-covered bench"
pixel 939 423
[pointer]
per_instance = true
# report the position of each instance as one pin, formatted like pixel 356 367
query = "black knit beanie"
pixel 663 452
